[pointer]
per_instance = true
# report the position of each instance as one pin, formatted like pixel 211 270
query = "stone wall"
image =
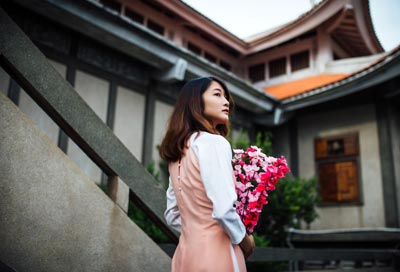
pixel 360 119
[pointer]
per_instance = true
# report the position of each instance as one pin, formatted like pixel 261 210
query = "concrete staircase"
pixel 53 217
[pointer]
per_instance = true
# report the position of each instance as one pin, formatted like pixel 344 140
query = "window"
pixel 111 5
pixel 300 61
pixel 225 65
pixel 337 166
pixel 194 48
pixel 210 57
pixel 155 27
pixel 277 67
pixel 134 16
pixel 257 72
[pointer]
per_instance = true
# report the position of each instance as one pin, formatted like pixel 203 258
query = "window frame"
pixel 210 57
pixel 297 54
pixel 226 65
pixel 337 159
pixel 155 27
pixel 195 49
pixel 257 66
pixel 285 58
pixel 134 16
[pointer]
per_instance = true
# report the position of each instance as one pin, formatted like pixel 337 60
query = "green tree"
pixel 292 203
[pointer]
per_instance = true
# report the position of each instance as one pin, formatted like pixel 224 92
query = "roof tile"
pixel 285 90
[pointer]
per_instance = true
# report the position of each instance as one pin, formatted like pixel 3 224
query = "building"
pixel 321 83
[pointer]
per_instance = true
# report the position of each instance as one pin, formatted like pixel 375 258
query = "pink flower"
pixel 238 151
pixel 247 168
pixel 256 174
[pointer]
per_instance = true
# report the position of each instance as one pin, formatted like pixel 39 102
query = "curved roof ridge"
pixel 266 32
pixel 370 26
pixel 283 27
pixel 208 19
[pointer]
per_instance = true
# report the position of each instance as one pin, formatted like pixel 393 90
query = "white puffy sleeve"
pixel 171 214
pixel 215 154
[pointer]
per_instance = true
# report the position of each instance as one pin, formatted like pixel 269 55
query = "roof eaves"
pixel 195 16
pixel 137 41
pixel 298 101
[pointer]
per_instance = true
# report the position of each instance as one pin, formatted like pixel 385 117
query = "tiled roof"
pixel 285 90
pixel 331 85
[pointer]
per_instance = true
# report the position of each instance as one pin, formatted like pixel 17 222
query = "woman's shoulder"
pixel 206 138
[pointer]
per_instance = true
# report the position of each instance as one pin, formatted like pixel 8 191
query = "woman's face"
pixel 216 106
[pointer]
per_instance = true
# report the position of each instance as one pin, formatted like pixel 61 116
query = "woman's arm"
pixel 171 214
pixel 247 245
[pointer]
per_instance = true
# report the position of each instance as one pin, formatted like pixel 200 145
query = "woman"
pixel 201 193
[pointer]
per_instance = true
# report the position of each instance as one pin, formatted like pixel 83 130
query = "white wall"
pixel 39 117
pixel 94 91
pixel 359 119
pixel 350 65
pixel 324 50
pixel 129 120
pixel 161 116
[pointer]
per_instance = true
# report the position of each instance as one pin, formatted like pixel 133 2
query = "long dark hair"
pixel 188 117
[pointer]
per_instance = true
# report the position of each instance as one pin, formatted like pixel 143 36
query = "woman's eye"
pixel 217 94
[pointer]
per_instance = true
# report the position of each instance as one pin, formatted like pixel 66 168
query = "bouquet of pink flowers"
pixel 256 174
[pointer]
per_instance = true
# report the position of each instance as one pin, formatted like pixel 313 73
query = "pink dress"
pixel 200 205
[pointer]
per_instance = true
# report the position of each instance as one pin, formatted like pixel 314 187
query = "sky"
pixel 246 18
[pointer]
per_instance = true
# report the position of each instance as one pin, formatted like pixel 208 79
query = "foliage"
pixel 264 141
pixel 293 201
pixel 153 171
pixel 261 240
pixel 242 141
pixel 141 219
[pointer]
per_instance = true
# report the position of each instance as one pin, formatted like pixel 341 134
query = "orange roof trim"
pixel 285 90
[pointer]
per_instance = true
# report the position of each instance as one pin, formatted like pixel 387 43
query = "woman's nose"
pixel 226 102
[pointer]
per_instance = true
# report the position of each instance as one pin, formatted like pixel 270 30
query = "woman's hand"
pixel 247 245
